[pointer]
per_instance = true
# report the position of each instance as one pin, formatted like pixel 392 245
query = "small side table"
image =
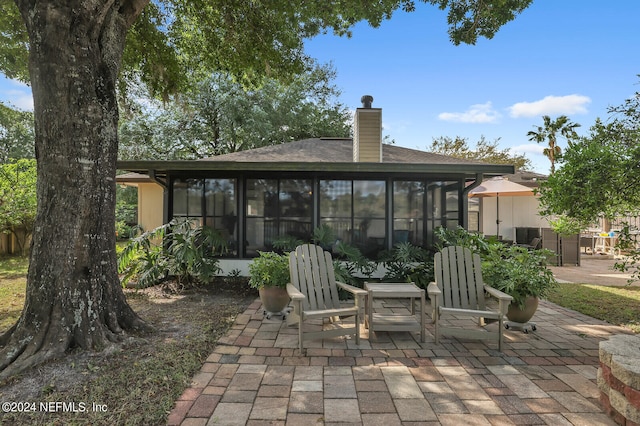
pixel 394 322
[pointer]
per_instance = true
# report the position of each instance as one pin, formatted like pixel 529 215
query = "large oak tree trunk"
pixel 73 296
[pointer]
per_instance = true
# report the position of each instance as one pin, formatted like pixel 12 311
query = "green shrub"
pixel 323 236
pixel 286 243
pixel 518 272
pixel 352 267
pixel 269 269
pixel 459 236
pixel 409 263
pixel 174 250
pixel 122 230
pixel 512 269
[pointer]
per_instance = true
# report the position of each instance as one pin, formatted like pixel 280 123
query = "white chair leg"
pixel 300 340
pixel 436 320
pixel 500 328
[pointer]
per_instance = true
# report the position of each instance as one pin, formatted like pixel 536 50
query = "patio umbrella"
pixel 497 187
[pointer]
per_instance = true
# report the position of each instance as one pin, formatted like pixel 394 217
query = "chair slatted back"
pixel 459 277
pixel 311 270
pixel 535 243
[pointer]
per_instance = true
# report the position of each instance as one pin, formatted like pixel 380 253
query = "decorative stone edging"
pixel 619 378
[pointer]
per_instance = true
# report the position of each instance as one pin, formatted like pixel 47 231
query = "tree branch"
pixel 131 9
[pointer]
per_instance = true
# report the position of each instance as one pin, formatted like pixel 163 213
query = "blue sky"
pixel 572 57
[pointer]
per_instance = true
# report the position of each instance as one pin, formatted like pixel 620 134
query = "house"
pixel 371 194
pixel 519 217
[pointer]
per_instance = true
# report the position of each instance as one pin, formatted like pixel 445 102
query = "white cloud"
pixel 528 148
pixel 570 104
pixel 479 113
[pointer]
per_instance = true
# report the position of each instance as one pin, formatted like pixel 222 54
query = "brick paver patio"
pixel 256 376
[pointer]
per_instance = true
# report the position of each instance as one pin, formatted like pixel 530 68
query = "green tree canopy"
pixel 79 53
pixel 171 42
pixel 598 177
pixel 251 39
pixel 485 150
pixel 16 134
pixel 18 200
pixel 221 116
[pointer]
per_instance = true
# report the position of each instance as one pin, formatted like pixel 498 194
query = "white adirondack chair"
pixel 460 291
pixel 314 294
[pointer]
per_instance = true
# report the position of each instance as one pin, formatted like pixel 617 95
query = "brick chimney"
pixel 367 133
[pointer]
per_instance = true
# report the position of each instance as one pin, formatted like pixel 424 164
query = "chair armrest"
pixel 294 293
pixel 504 300
pixel 294 318
pixel 500 295
pixel 435 295
pixel 351 289
pixel 433 289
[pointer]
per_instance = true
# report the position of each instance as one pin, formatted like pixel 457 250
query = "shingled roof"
pixel 330 155
pixel 333 150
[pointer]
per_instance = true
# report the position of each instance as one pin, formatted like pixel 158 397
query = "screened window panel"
pixel 442 207
pixel 194 197
pixel 220 196
pixel 180 198
pixel 262 209
pixel 187 197
pixel 474 215
pixel 295 198
pixel 336 207
pixel 220 206
pixel 355 210
pixel 296 204
pixel 277 208
pixel 335 198
pixel 408 212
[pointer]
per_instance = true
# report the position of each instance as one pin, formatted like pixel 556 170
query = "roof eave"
pixel 164 167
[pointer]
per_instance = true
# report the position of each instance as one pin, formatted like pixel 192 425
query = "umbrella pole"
pixel 498 217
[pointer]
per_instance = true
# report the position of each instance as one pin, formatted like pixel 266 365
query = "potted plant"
pixel 269 273
pixel 521 273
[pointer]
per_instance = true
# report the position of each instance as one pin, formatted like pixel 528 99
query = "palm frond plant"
pixel 408 263
pixel 459 236
pixel 178 250
pixel 324 236
pixel 548 133
pixel 353 268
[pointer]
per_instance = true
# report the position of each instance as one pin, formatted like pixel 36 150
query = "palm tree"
pixel 548 133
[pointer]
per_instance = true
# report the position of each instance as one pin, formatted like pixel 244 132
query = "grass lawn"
pixel 615 305
pixel 13 280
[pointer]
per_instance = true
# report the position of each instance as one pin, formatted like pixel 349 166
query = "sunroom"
pixel 372 195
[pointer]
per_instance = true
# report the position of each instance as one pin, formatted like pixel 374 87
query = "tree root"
pixel 24 346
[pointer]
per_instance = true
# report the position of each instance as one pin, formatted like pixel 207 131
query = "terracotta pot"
pixel 522 316
pixel 274 299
